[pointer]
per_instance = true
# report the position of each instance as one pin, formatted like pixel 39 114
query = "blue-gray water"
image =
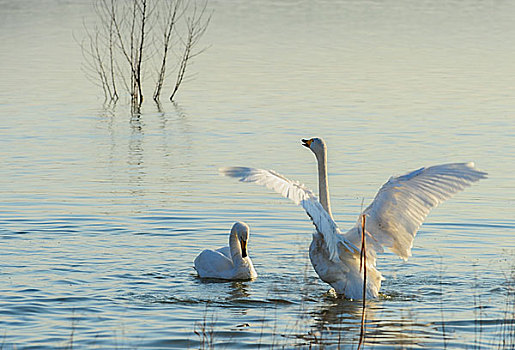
pixel 101 214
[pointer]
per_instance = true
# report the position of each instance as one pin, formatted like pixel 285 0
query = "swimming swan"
pixel 393 217
pixel 229 263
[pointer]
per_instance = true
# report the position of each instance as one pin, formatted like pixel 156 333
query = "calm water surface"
pixel 102 213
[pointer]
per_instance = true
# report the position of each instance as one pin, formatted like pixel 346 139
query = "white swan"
pixel 393 217
pixel 229 263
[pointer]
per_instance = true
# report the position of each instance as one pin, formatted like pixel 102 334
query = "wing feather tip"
pixel 479 173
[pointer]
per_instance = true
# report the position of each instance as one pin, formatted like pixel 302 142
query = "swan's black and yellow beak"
pixel 306 143
pixel 243 244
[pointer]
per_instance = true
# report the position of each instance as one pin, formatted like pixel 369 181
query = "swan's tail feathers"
pixel 374 279
pixel 352 285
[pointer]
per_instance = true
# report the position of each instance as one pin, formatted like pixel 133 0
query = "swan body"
pixel 393 217
pixel 229 263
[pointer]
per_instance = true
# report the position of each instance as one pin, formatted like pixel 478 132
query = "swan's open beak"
pixel 306 143
pixel 243 248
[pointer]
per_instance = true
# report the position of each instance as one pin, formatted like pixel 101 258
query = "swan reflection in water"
pixel 336 321
pixel 239 290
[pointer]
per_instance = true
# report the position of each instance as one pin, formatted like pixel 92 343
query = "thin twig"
pixel 363 264
pixel 196 27
pixel 171 16
pixel 444 337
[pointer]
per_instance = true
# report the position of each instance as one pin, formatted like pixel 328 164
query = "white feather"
pixel 403 203
pixel 300 195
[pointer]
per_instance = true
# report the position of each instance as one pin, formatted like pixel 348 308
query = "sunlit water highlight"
pixel 102 213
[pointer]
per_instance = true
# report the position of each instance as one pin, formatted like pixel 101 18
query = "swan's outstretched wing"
pixel 301 195
pixel 402 204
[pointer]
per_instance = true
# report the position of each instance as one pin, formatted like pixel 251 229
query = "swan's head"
pixel 316 145
pixel 242 232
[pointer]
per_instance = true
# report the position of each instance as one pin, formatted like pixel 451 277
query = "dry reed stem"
pixel 363 265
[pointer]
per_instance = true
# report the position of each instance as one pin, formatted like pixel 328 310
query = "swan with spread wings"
pixel 393 217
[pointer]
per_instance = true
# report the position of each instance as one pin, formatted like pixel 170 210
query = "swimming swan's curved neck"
pixel 323 185
pixel 234 246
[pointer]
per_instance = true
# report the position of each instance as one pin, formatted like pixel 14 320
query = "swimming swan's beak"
pixel 243 248
pixel 306 143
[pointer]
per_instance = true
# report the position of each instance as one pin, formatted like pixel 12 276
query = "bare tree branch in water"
pixel 123 47
pixel 97 70
pixel 130 41
pixel 196 24
pixel 170 18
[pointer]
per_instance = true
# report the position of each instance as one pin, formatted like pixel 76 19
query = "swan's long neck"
pixel 323 185
pixel 234 246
